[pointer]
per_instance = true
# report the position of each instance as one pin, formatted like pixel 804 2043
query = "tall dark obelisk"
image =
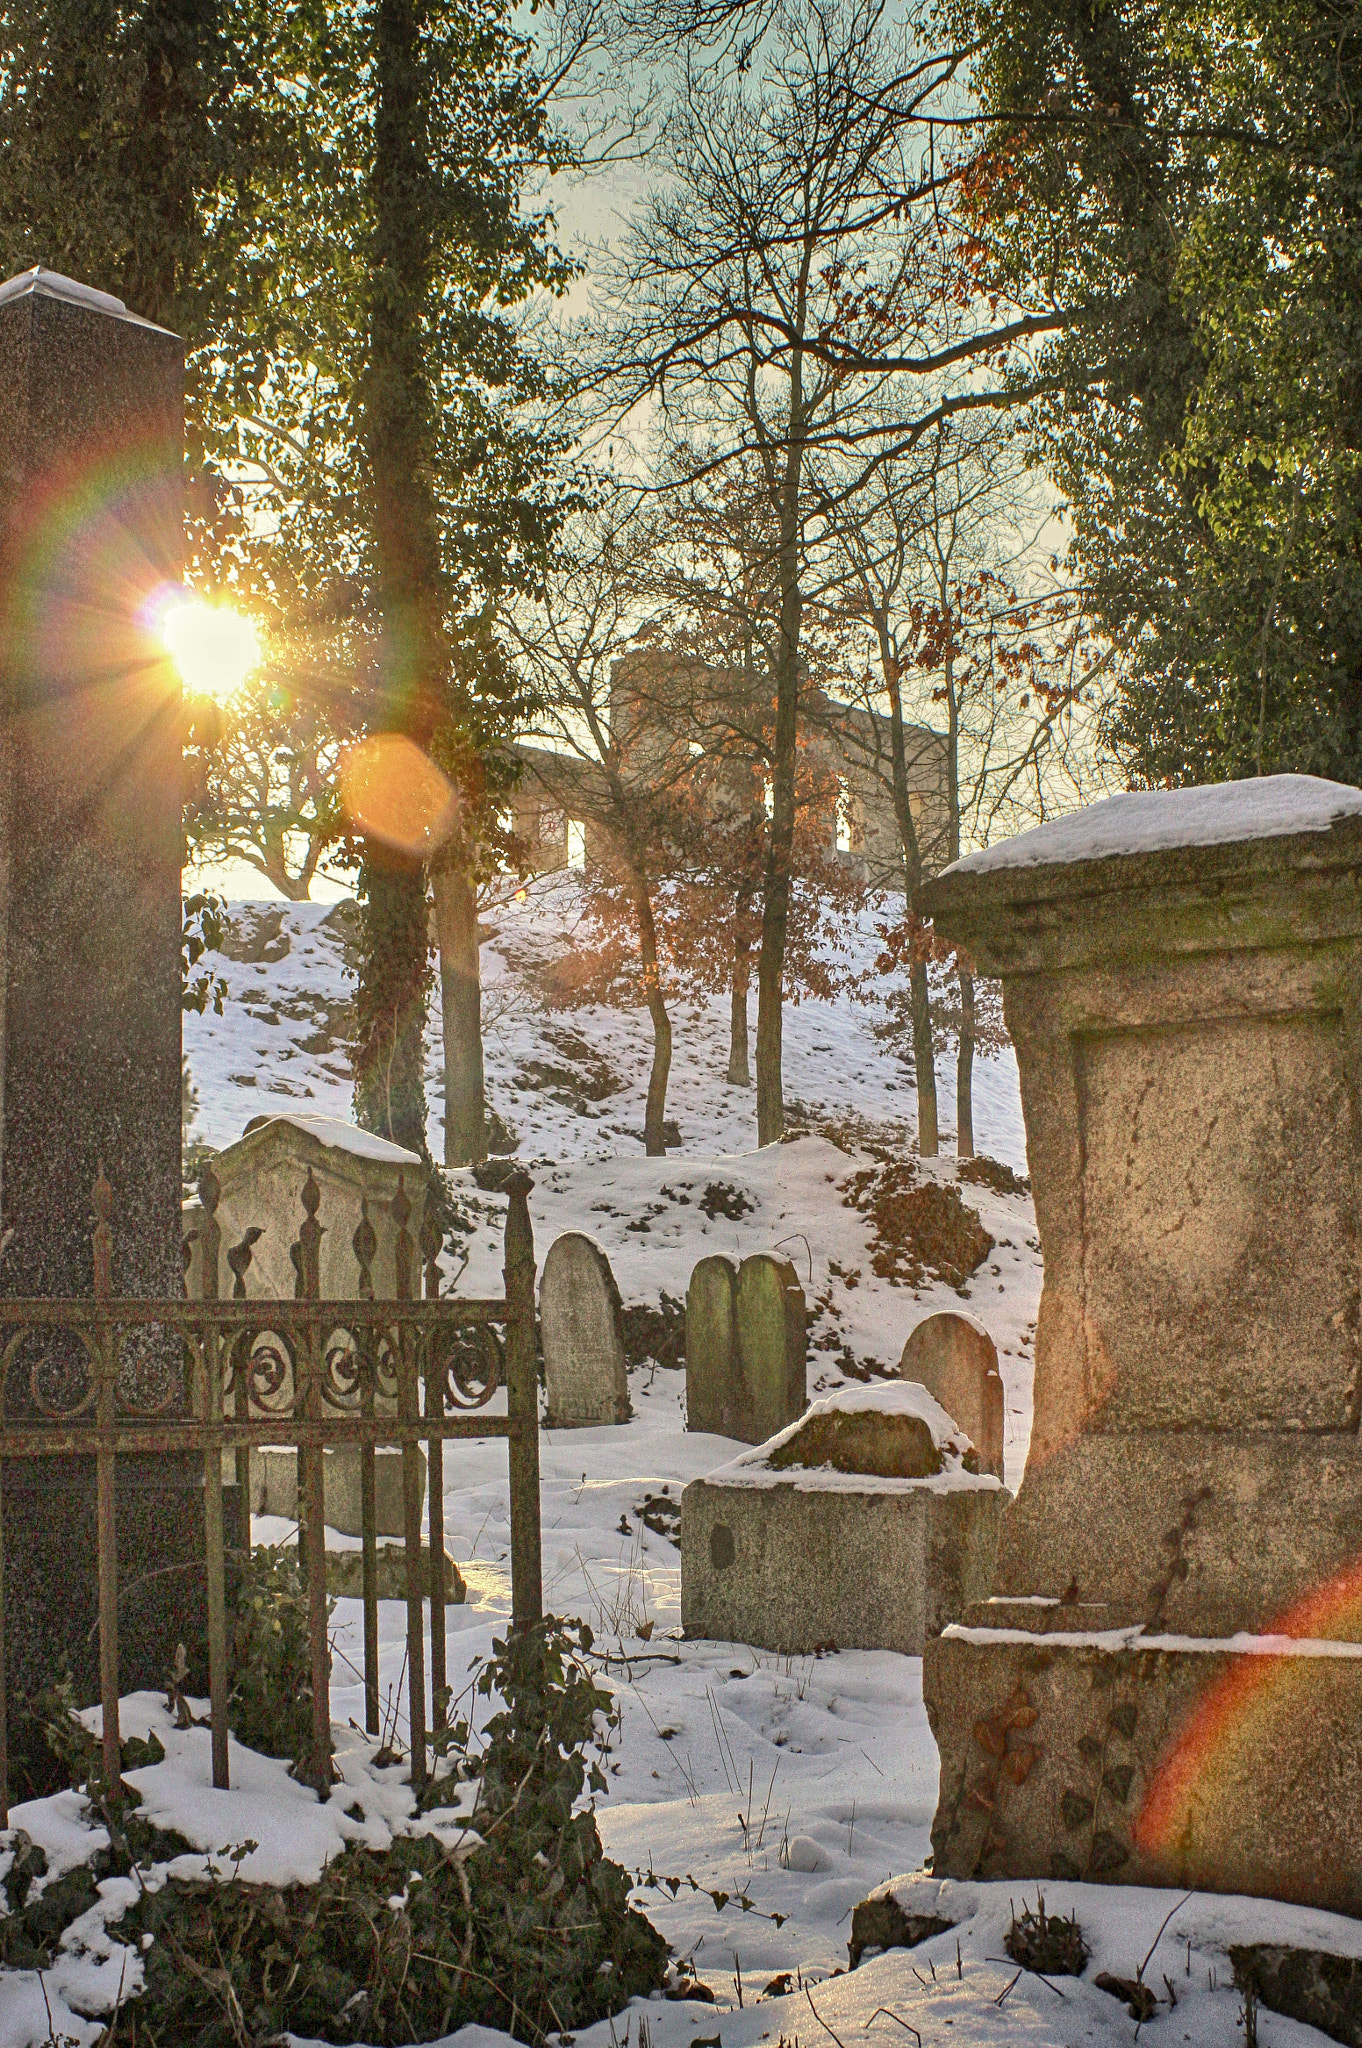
pixel 91 464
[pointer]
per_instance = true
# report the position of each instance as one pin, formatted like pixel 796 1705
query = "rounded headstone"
pixel 581 1320
pixel 772 1342
pixel 716 1393
pixel 956 1360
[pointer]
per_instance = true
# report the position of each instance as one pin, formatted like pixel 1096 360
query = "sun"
pixel 214 647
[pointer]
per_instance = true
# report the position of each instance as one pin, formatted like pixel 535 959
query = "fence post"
pixel 431 1240
pixel 311 1489
pixel 408 1405
pixel 364 1243
pixel 4 1675
pixel 105 1497
pixel 210 1238
pixel 522 1408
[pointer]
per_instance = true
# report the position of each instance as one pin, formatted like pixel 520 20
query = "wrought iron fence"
pixel 307 1373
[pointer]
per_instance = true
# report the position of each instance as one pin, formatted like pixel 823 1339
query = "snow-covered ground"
pixel 796 1784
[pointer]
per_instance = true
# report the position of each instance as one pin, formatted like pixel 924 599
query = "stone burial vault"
pixel 864 1525
pixel 1166 1686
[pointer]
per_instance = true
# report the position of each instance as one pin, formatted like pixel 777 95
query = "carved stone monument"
pixel 581 1320
pixel 91 429
pixel 1167 1685
pixel 261 1178
pixel 957 1361
pixel 746 1350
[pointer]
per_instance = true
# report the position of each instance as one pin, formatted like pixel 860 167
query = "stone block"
pixel 954 1357
pixel 581 1321
pixel 1173 1703
pixel 864 1565
pixel 1197 1764
pixel 858 1525
pixel 274 1487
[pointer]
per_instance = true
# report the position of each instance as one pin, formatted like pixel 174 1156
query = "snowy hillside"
pixel 570 1084
pixel 790 1785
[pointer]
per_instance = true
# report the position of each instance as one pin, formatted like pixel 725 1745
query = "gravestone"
pixel 717 1400
pixel 859 1525
pixel 956 1360
pixel 581 1320
pixel 358 1175
pixel 91 424
pixel 772 1342
pixel 746 1347
pixel 1166 1686
pixel 261 1179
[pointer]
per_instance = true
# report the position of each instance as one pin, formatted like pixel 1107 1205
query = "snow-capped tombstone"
pixel 92 425
pixel 717 1400
pixel 772 1342
pixel 957 1361
pixel 261 1178
pixel 1181 973
pixel 581 1320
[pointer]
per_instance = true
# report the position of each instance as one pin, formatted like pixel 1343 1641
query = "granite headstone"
pixel 956 1360
pixel 581 1320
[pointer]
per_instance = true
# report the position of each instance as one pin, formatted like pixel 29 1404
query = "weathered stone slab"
pixel 581 1321
pixel 1188 1763
pixel 274 1488
pixel 772 1342
pixel 954 1357
pixel 746 1347
pixel 717 1399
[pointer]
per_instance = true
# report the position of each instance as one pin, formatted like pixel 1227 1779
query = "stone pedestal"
pixel 91 418
pixel 1182 978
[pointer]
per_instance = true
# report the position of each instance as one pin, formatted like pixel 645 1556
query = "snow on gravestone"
pixel 956 1360
pixel 582 1322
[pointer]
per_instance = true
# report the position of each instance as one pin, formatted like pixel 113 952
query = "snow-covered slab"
pixel 1158 820
pixel 340 1136
pixel 888 1398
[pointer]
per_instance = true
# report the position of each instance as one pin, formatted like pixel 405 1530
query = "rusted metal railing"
pixel 307 1373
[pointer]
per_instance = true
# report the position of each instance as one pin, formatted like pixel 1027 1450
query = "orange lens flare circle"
pixel 393 792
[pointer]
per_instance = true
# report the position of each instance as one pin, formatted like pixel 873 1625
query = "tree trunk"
pixel 390 1000
pixel 964 1067
pixel 456 932
pixel 395 935
pixel 924 1061
pixel 739 1072
pixel 775 906
pixel 654 1140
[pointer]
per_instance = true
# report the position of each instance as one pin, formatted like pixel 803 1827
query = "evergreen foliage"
pixel 1186 178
